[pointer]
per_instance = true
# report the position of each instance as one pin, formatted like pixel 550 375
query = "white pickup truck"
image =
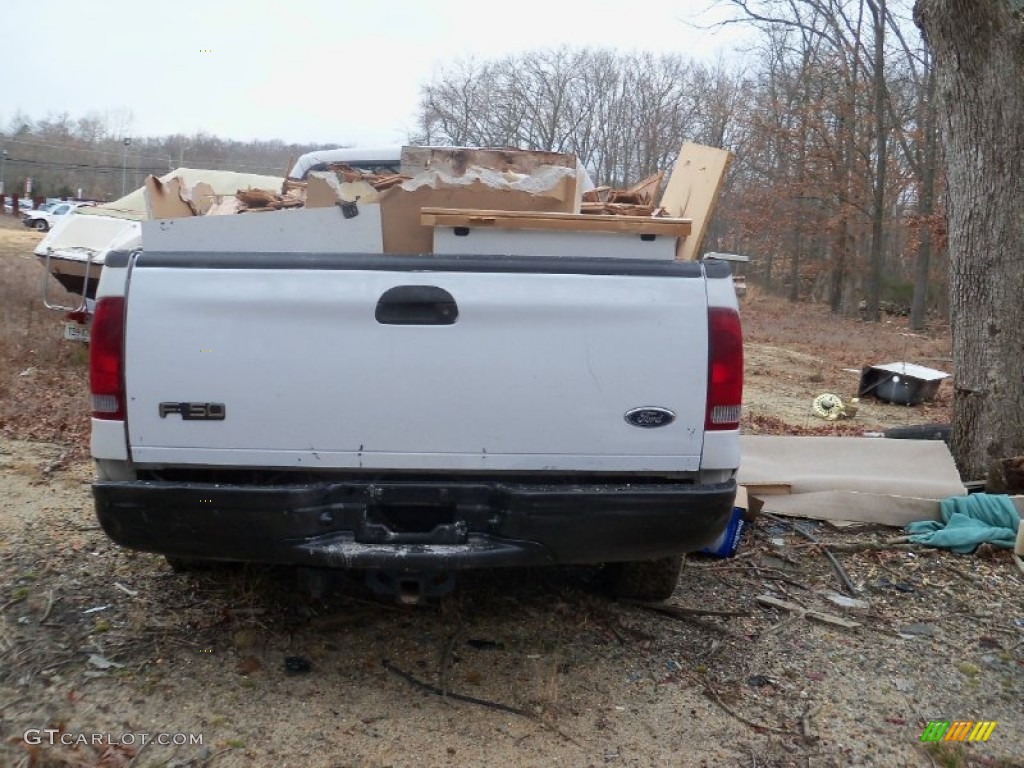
pixel 416 416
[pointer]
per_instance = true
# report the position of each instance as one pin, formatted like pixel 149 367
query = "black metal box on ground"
pixel 901 383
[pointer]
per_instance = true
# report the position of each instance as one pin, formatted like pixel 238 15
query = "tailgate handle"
pixel 417 305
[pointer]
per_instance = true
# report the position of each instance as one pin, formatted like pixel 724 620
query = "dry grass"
pixel 43 379
pixel 797 351
pixel 813 330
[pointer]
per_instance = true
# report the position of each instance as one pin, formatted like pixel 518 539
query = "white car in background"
pixel 49 214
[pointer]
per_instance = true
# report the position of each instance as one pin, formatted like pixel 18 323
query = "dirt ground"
pixel 533 668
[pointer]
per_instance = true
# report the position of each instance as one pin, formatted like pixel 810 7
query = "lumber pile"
pixel 637 200
pixel 264 200
pixel 378 181
pixel 621 209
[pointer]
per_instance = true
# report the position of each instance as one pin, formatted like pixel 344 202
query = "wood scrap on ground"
pixel 677 611
pixel 844 577
pixel 1018 561
pixel 799 610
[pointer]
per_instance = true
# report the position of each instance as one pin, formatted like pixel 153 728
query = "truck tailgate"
pixel 342 361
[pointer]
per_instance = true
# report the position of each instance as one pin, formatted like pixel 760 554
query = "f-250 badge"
pixel 194 411
pixel 650 417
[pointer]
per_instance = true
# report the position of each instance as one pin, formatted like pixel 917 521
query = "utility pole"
pixel 3 164
pixel 124 166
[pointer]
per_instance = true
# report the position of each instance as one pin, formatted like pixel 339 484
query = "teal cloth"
pixel 968 521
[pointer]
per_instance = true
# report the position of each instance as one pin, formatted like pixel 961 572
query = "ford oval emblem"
pixel 650 417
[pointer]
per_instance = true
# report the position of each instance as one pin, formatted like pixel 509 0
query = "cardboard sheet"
pixel 921 468
pixel 871 480
pixel 204 197
pixel 851 506
pixel 166 200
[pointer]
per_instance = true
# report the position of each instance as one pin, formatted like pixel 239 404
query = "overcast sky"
pixel 332 71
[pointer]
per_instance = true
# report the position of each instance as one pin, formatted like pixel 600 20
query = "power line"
pixel 66 148
pixel 69 166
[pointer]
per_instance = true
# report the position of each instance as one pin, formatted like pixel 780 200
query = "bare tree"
pixel 623 115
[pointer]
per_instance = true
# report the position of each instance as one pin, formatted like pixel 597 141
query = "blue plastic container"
pixel 727 544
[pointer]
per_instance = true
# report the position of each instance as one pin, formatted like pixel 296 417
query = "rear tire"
pixel 646 579
pixel 39 225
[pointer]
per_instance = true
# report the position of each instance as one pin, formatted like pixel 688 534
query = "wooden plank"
pixel 692 191
pixel 774 602
pixel 824 618
pixel 620 209
pixel 454 217
pixel 828 618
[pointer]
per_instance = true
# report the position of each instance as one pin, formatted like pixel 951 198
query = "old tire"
pixel 921 432
pixel 646 579
pixel 40 225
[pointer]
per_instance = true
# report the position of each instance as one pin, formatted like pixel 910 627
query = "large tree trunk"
pixel 979 63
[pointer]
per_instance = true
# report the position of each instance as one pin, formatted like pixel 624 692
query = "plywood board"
pixel 578 222
pixel 692 191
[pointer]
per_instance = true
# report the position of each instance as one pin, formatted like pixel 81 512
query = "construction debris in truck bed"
pixel 263 200
pixel 622 209
pixel 499 188
pixel 378 181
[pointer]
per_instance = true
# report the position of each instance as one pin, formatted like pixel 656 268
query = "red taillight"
pixel 106 346
pixel 725 369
